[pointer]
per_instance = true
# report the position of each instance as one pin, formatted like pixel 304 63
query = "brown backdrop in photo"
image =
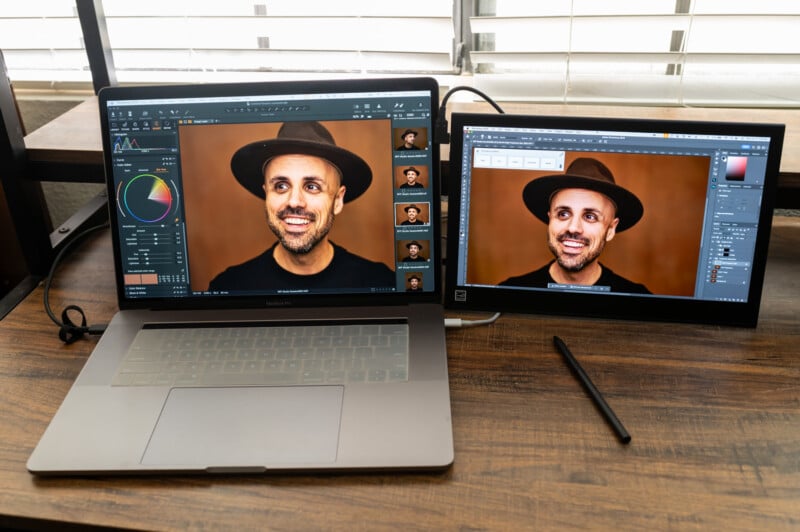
pixel 660 251
pixel 226 225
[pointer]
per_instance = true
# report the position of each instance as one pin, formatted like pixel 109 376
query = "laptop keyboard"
pixel 268 355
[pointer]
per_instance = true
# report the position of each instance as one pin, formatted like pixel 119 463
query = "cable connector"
pixel 70 332
pixel 453 323
pixel 440 129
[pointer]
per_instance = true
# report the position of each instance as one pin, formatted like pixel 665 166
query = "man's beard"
pixel 575 263
pixel 300 244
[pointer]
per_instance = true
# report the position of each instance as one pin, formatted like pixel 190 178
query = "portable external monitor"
pixel 615 218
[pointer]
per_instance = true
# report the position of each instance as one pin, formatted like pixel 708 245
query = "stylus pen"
pixel 597 397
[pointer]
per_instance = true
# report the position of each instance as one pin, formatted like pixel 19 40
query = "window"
pixel 246 39
pixel 691 52
pixel 235 40
pixel 658 52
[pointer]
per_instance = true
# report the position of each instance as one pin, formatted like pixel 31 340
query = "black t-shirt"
pixel 541 278
pixel 346 270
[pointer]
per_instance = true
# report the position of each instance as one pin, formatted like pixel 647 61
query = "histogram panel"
pixel 143 143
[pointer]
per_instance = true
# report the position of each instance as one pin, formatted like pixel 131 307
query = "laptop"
pixel 692 202
pixel 276 311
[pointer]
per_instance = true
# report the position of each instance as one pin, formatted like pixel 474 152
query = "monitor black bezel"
pixel 612 306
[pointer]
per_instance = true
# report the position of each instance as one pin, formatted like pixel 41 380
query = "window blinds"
pixel 173 41
pixel 698 52
pixel 654 52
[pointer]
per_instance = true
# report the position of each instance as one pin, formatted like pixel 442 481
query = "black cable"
pixel 440 134
pixel 68 330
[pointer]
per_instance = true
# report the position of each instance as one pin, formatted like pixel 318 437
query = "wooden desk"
pixel 69 148
pixel 714 414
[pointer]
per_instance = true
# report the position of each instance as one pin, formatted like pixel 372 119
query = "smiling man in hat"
pixel 412 214
pixel 584 209
pixel 409 137
pixel 414 283
pixel 305 179
pixel 414 249
pixel 411 174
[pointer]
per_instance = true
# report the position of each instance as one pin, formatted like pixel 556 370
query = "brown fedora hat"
pixel 307 138
pixel 586 173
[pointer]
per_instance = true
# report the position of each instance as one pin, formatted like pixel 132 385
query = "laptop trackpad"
pixel 247 426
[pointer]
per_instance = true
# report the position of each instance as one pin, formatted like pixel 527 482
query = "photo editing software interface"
pixel 724 210
pixel 156 176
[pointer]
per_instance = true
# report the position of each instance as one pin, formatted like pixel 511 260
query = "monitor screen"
pixel 613 218
pixel 208 205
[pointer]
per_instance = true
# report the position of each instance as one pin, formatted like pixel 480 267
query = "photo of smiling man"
pixel 584 209
pixel 305 180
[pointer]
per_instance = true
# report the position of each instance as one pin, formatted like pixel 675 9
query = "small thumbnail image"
pixel 413 250
pixel 411 178
pixel 410 138
pixel 414 282
pixel 412 214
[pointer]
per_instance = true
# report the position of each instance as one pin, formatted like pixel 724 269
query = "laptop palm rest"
pixel 240 427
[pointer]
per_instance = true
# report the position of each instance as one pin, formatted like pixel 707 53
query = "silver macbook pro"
pixel 277 257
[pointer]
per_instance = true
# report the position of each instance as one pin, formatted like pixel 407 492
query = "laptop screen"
pixel 287 190
pixel 610 217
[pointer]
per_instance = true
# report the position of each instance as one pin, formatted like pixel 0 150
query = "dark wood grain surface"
pixel 714 413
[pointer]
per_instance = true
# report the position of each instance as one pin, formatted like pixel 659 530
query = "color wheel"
pixel 147 198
